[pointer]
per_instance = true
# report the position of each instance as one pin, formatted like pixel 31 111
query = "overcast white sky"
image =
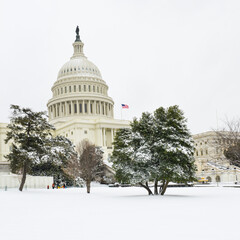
pixel 150 53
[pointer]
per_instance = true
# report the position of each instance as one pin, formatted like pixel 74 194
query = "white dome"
pixel 79 66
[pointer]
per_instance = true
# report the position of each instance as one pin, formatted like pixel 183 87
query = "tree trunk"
pixel 161 186
pixel 24 176
pixel 88 186
pixel 164 187
pixel 147 188
pixel 156 187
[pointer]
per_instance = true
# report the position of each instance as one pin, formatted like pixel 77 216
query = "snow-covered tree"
pixel 58 152
pixel 158 148
pixel 89 163
pixel 32 142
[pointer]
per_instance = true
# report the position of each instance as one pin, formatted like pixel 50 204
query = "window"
pixel 69 108
pixel 89 88
pixel 91 108
pixel 80 107
pixel 71 133
pixel 79 88
pixel 75 88
pixel 84 88
pixel 98 89
pixel 201 152
pixel 85 132
pixel 61 90
pixel 85 106
pixel 65 89
pixel 66 135
pixel 93 88
pixel 206 152
pixel 70 89
pixel 75 108
pixel 196 153
pixel 58 91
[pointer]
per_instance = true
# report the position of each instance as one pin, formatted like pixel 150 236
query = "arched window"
pixel 218 179
pixel 209 179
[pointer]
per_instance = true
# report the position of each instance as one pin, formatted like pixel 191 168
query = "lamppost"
pixel 236 179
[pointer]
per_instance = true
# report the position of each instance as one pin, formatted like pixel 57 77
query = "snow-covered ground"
pixel 205 213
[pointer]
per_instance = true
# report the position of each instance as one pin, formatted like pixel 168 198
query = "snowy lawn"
pixel 120 213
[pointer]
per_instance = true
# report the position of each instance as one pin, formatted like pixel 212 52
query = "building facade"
pixel 80 108
pixel 210 160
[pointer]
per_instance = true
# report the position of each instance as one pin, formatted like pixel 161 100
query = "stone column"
pixel 100 104
pixel 78 107
pixel 104 140
pixel 112 136
pixel 72 109
pixel 89 107
pixel 55 110
pixel 61 107
pixel 65 108
pixel 101 137
pixel 94 107
pixel 104 109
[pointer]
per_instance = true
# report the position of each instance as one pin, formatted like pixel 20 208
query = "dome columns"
pixel 80 107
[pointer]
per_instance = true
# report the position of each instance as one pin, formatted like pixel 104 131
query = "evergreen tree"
pixel 32 143
pixel 58 151
pixel 157 148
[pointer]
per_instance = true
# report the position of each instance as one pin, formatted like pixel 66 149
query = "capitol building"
pixel 80 108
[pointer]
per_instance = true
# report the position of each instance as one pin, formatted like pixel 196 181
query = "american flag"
pixel 125 106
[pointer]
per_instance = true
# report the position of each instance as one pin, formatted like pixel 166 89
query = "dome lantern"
pixel 78 46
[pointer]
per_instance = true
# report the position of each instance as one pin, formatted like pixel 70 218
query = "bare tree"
pixel 228 141
pixel 90 162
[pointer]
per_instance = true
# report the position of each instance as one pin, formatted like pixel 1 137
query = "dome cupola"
pixel 79 90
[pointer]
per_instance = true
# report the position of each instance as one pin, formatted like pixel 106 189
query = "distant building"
pixel 210 160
